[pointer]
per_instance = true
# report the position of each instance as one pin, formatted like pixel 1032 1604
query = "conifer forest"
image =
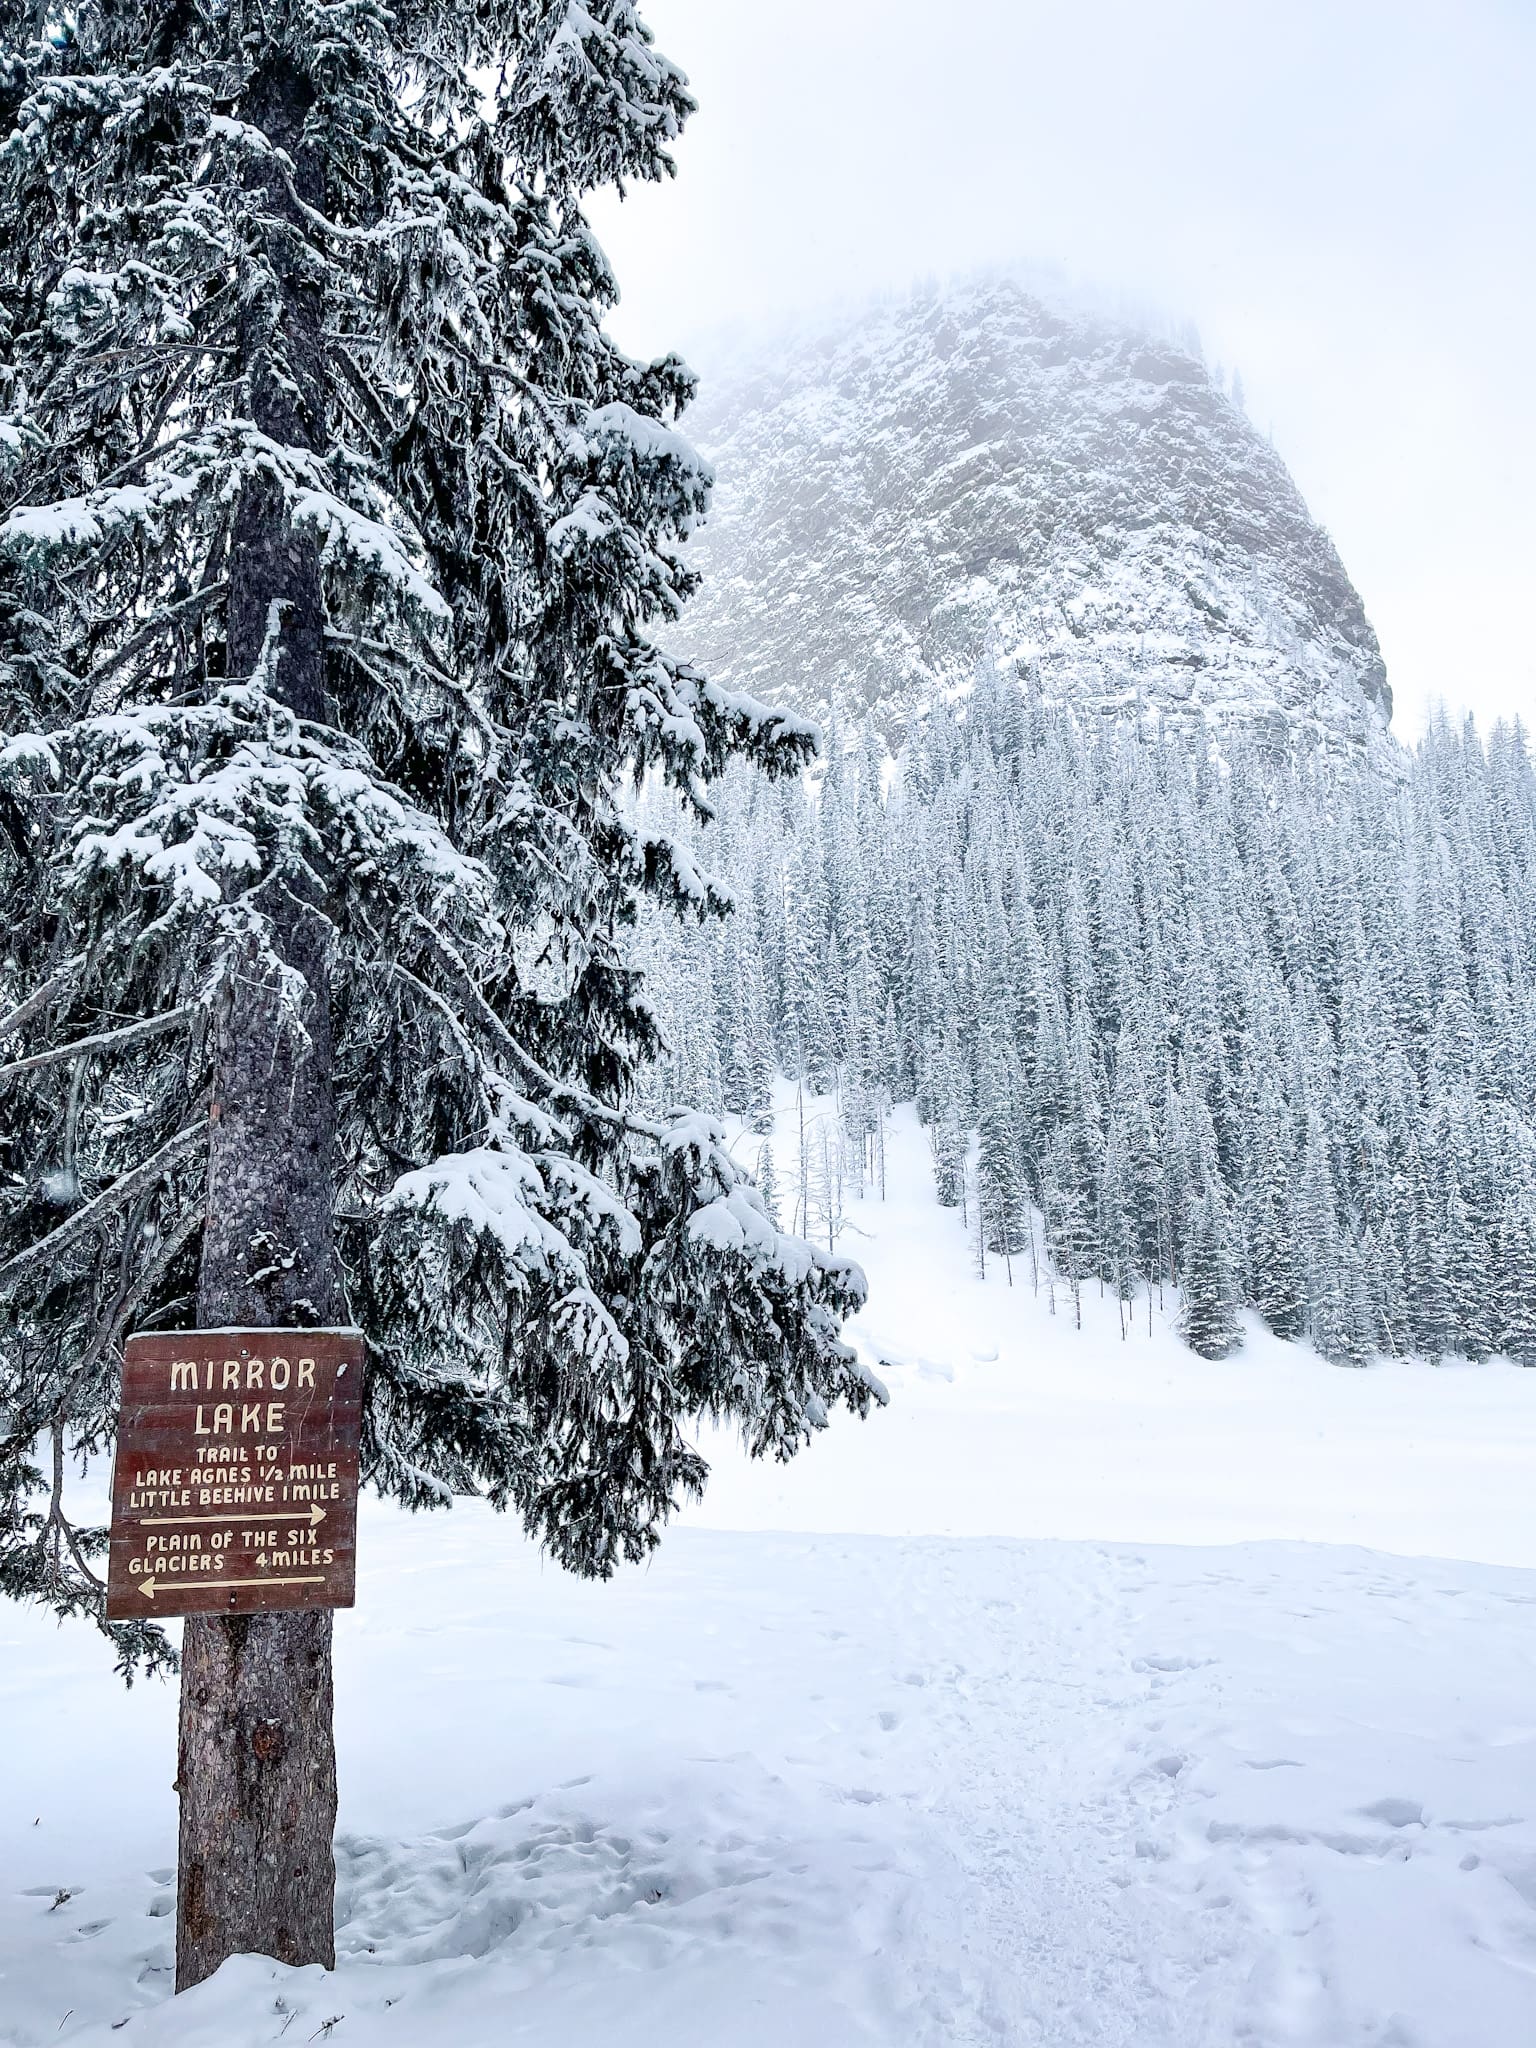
pixel 1263 1029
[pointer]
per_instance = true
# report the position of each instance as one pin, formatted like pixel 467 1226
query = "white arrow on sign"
pixel 312 1514
pixel 147 1586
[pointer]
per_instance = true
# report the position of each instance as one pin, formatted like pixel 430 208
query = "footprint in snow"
pixel 1396 1813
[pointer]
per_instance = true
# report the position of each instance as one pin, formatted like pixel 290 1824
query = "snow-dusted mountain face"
pixel 976 474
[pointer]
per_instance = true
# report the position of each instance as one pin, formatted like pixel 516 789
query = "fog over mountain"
pixel 978 471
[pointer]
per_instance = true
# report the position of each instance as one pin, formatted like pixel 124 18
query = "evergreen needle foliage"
pixel 320 269
pixel 1263 1027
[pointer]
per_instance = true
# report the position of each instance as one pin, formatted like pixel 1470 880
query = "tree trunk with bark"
pixel 257 1762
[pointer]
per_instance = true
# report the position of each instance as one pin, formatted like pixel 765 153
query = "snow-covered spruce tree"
pixel 334 535
pixel 1208 1319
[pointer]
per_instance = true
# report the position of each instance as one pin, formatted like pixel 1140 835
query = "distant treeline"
pixel 1264 1029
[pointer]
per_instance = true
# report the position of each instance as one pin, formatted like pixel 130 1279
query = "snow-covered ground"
pixel 1008 1421
pixel 871 1754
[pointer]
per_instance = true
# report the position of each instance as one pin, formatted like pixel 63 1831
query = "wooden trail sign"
pixel 235 1485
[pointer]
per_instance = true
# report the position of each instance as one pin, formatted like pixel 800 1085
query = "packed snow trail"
pixel 910 1793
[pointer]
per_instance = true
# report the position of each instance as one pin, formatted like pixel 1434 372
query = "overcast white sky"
pixel 1341 194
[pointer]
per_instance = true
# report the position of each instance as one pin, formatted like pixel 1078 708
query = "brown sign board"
pixel 235 1485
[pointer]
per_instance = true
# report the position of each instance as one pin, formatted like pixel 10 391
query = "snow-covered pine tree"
pixel 1116 1224
pixel 1275 1279
pixel 1517 1279
pixel 1208 1316
pixel 1000 1190
pixel 768 1183
pixel 1431 1320
pixel 948 1144
pixel 334 530
pixel 1329 1307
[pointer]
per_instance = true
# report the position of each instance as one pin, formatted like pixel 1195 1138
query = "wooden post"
pixel 256 1767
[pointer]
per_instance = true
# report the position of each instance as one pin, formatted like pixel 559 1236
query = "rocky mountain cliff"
pixel 978 471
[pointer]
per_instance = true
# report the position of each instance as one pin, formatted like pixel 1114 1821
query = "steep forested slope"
pixel 1170 1012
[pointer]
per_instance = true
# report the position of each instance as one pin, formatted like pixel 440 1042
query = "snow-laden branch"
pixel 196 475
pixel 557 1090
pixel 100 1041
pixel 156 624
pixel 107 1203
pixel 40 998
